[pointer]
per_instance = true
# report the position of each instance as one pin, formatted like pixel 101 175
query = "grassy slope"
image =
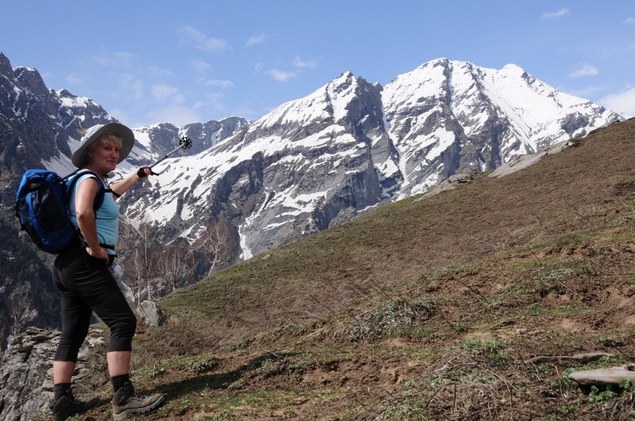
pixel 430 308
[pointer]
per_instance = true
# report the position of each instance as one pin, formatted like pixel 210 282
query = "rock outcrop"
pixel 26 382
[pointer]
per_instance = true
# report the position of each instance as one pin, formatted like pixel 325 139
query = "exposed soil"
pixel 430 308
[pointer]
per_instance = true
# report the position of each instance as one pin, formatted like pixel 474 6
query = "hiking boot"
pixel 126 402
pixel 66 406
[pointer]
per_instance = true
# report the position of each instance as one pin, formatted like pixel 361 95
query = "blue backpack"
pixel 42 207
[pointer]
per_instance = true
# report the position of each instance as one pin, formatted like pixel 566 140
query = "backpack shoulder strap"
pixel 75 176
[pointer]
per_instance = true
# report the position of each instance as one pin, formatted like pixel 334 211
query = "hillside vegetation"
pixel 430 308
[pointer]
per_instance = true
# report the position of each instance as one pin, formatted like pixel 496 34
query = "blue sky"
pixel 195 60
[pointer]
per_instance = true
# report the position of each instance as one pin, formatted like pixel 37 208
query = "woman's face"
pixel 106 156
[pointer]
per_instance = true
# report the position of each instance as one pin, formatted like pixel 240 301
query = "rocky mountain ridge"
pixel 350 145
pixel 306 166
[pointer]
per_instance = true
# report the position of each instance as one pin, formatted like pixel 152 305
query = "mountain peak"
pixel 31 79
pixel 5 64
pixel 515 71
pixel 346 75
pixel 441 61
pixel 343 81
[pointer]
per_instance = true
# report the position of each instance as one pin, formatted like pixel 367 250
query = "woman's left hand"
pixel 99 253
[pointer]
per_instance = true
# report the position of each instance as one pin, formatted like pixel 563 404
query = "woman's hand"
pixel 98 253
pixel 143 172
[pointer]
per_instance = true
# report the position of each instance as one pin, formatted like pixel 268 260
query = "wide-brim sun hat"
pixel 93 133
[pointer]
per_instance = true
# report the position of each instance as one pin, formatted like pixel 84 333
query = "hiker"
pixel 86 285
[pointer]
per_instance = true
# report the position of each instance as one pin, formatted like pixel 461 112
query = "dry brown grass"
pixel 424 309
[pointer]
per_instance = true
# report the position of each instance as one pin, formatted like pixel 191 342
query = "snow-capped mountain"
pixel 450 117
pixel 351 145
pixel 320 159
pixel 307 165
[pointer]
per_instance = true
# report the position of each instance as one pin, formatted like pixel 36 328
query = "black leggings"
pixel 86 285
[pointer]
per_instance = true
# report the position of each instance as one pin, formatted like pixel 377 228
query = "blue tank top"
pixel 106 217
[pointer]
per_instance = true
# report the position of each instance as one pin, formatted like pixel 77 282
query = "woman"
pixel 83 277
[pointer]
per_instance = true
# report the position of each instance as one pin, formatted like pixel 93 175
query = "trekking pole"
pixel 184 143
